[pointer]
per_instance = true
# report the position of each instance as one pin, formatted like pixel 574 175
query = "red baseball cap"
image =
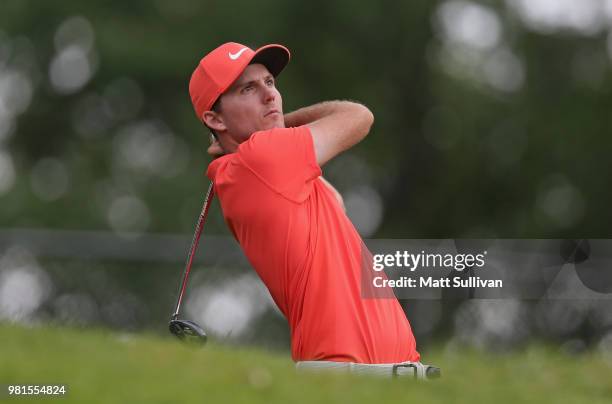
pixel 221 67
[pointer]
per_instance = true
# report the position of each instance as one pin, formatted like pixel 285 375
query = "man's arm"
pixel 335 126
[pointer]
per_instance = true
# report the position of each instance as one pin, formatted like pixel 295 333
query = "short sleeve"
pixel 283 159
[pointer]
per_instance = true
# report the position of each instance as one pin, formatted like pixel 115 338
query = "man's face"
pixel 251 104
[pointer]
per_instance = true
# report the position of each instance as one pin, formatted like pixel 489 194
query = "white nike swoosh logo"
pixel 236 55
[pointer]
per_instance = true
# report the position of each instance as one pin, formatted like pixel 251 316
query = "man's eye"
pixel 270 82
pixel 247 89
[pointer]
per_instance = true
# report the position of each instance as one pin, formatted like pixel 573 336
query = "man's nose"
pixel 268 94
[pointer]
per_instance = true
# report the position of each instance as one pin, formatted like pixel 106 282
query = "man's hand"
pixel 214 150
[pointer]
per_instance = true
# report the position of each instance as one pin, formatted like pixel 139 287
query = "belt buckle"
pixel 404 365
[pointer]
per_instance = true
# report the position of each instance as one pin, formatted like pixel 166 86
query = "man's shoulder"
pixel 282 159
pixel 273 134
pixel 257 146
pixel 278 146
pixel 217 165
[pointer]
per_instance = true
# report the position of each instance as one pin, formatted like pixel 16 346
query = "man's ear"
pixel 214 121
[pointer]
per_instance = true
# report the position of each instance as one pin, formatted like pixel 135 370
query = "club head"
pixel 187 331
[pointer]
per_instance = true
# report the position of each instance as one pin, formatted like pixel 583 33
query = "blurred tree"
pixel 485 125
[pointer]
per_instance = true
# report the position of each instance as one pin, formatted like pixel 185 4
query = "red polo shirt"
pixel 307 252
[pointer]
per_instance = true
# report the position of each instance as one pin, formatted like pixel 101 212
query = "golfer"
pixel 289 221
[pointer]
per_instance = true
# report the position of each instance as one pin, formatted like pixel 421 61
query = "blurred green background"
pixel 492 120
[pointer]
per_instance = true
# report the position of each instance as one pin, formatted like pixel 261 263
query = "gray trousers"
pixel 415 370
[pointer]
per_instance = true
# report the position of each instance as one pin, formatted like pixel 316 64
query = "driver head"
pixel 187 331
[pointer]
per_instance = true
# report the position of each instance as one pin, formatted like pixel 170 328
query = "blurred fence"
pixel 130 283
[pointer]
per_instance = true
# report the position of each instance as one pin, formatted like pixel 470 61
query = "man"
pixel 290 222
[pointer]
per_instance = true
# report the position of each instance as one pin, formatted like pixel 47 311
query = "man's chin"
pixel 276 124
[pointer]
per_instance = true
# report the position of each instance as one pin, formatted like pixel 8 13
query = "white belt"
pixel 416 370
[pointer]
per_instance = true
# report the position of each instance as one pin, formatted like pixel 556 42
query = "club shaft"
pixel 194 247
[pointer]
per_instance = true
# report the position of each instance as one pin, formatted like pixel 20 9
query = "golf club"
pixel 187 330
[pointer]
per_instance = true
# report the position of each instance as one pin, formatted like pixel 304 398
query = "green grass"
pixel 100 366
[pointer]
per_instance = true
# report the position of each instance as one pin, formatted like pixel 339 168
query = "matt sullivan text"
pixel 430 282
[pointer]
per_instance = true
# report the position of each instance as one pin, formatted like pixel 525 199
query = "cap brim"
pixel 274 57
